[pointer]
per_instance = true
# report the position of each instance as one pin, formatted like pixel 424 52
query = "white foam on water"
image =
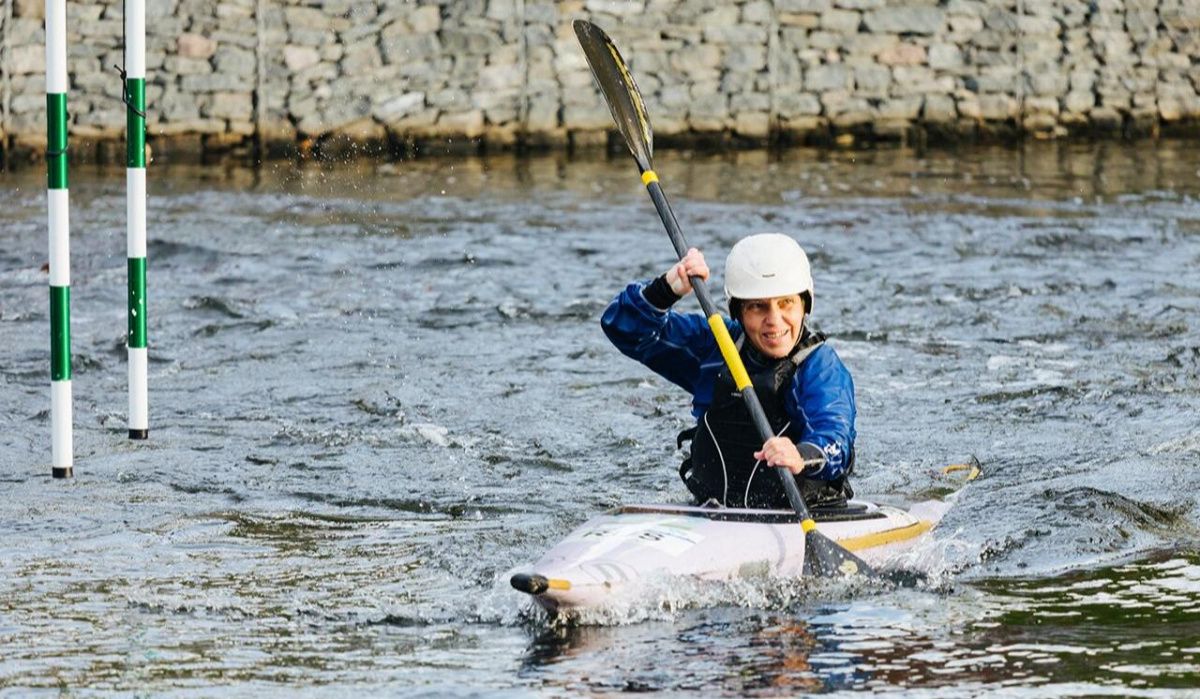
pixel 434 434
pixel 1178 445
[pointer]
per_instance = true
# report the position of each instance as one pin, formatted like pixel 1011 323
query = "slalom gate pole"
pixel 135 213
pixel 58 205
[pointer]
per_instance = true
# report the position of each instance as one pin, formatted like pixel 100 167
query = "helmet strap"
pixel 735 309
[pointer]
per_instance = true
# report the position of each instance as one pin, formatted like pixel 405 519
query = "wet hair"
pixel 736 305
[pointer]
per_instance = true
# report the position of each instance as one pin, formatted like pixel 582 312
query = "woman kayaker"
pixel 805 390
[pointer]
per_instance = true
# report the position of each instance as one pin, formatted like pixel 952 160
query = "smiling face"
pixel 773 325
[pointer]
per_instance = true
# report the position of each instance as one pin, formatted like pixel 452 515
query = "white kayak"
pixel 608 555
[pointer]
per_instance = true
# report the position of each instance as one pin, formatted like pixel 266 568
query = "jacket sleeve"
pixel 821 398
pixel 676 346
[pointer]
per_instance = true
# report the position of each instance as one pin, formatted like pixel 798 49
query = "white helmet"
pixel 765 266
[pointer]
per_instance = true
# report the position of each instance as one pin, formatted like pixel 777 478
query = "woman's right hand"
pixel 692 265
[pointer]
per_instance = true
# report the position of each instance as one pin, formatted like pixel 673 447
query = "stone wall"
pixel 292 75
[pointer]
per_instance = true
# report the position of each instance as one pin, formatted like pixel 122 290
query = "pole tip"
pixel 139 434
pixel 67 472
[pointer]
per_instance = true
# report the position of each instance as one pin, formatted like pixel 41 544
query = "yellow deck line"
pixel 866 541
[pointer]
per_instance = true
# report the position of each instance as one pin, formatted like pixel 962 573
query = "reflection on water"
pixel 376 388
pixel 1136 624
pixel 1057 176
pixel 1133 626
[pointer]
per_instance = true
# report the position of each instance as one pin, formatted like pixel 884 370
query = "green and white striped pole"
pixel 62 452
pixel 135 213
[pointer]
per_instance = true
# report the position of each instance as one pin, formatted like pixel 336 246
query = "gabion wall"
pixel 302 73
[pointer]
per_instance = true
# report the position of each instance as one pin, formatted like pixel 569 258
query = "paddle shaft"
pixel 724 341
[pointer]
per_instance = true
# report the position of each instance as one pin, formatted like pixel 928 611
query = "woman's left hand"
pixel 781 452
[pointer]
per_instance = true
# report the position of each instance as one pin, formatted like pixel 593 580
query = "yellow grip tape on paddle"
pixel 729 351
pixel 807 525
pixel 648 177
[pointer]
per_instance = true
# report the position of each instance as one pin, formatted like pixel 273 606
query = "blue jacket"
pixel 681 348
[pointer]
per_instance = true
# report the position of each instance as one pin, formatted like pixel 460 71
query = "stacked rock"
pixel 238 74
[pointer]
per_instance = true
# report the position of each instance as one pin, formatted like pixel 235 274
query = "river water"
pixel 378 389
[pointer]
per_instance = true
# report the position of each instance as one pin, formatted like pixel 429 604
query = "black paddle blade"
pixel 825 559
pixel 620 91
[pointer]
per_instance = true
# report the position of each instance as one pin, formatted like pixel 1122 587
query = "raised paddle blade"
pixel 620 91
pixel 825 559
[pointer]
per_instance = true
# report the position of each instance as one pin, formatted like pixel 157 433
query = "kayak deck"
pixel 607 556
